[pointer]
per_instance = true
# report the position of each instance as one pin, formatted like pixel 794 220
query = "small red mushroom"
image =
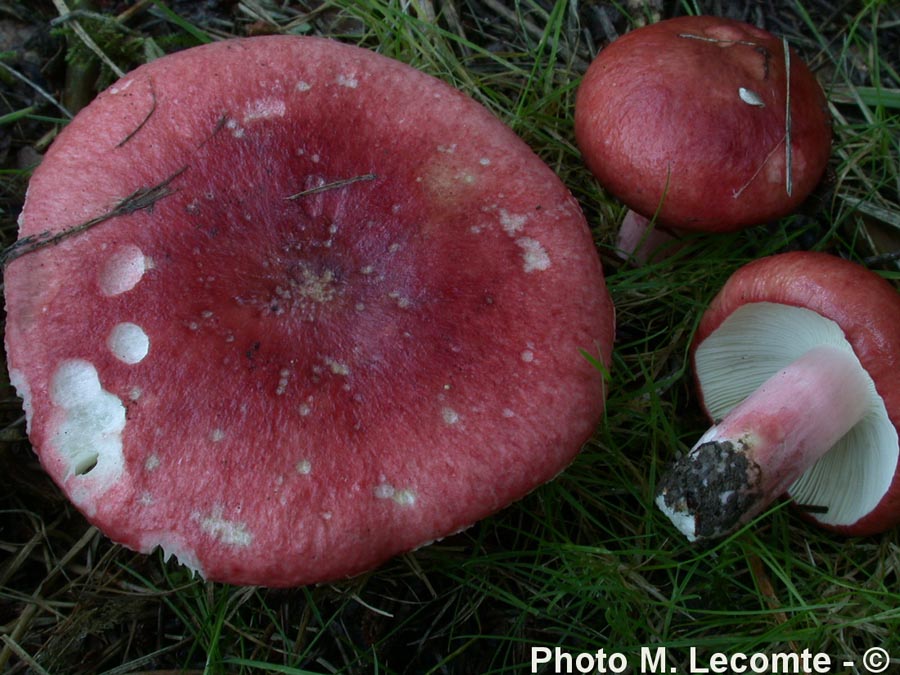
pixel 285 308
pixel 707 123
pixel 796 361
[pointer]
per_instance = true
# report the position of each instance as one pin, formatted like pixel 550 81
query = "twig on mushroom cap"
pixel 788 153
pixel 737 193
pixel 333 185
pixel 144 121
pixel 143 198
pixel 714 40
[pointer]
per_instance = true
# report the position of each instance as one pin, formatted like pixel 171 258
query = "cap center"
pixel 298 288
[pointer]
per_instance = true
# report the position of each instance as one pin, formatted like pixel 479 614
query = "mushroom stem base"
pixel 750 458
pixel 640 242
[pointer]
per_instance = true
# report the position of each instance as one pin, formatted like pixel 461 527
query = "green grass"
pixel 585 562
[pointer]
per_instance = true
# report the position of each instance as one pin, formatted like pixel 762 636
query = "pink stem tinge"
pixel 764 444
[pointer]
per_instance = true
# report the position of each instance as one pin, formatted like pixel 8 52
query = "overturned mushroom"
pixel 796 361
pixel 704 123
pixel 285 308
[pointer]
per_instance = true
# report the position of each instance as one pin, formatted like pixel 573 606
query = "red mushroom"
pixel 285 308
pixel 708 123
pixel 796 361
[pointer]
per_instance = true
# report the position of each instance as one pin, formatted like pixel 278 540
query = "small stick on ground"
pixel 43 93
pixel 64 12
pixel 767 589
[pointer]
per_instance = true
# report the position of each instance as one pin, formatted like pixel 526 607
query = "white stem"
pixel 765 443
pixel 638 241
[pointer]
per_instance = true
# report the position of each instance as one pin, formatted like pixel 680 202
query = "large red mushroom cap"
pixel 796 362
pixel 686 119
pixel 285 308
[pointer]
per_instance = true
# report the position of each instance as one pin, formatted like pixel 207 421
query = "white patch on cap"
pixel 284 377
pixel 304 467
pixel 172 544
pixel 750 97
pixel 384 491
pixel 512 223
pixel 89 435
pixel 151 463
pixel 450 416
pixel 263 108
pixel 120 87
pixel 303 85
pixel 316 287
pixel 527 356
pixel 403 497
pixel 74 381
pixel 534 255
pixel 128 342
pixel 231 532
pixel 217 435
pixel 337 367
pixel 236 129
pixel 123 270
pixel 348 81
pixel 402 301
